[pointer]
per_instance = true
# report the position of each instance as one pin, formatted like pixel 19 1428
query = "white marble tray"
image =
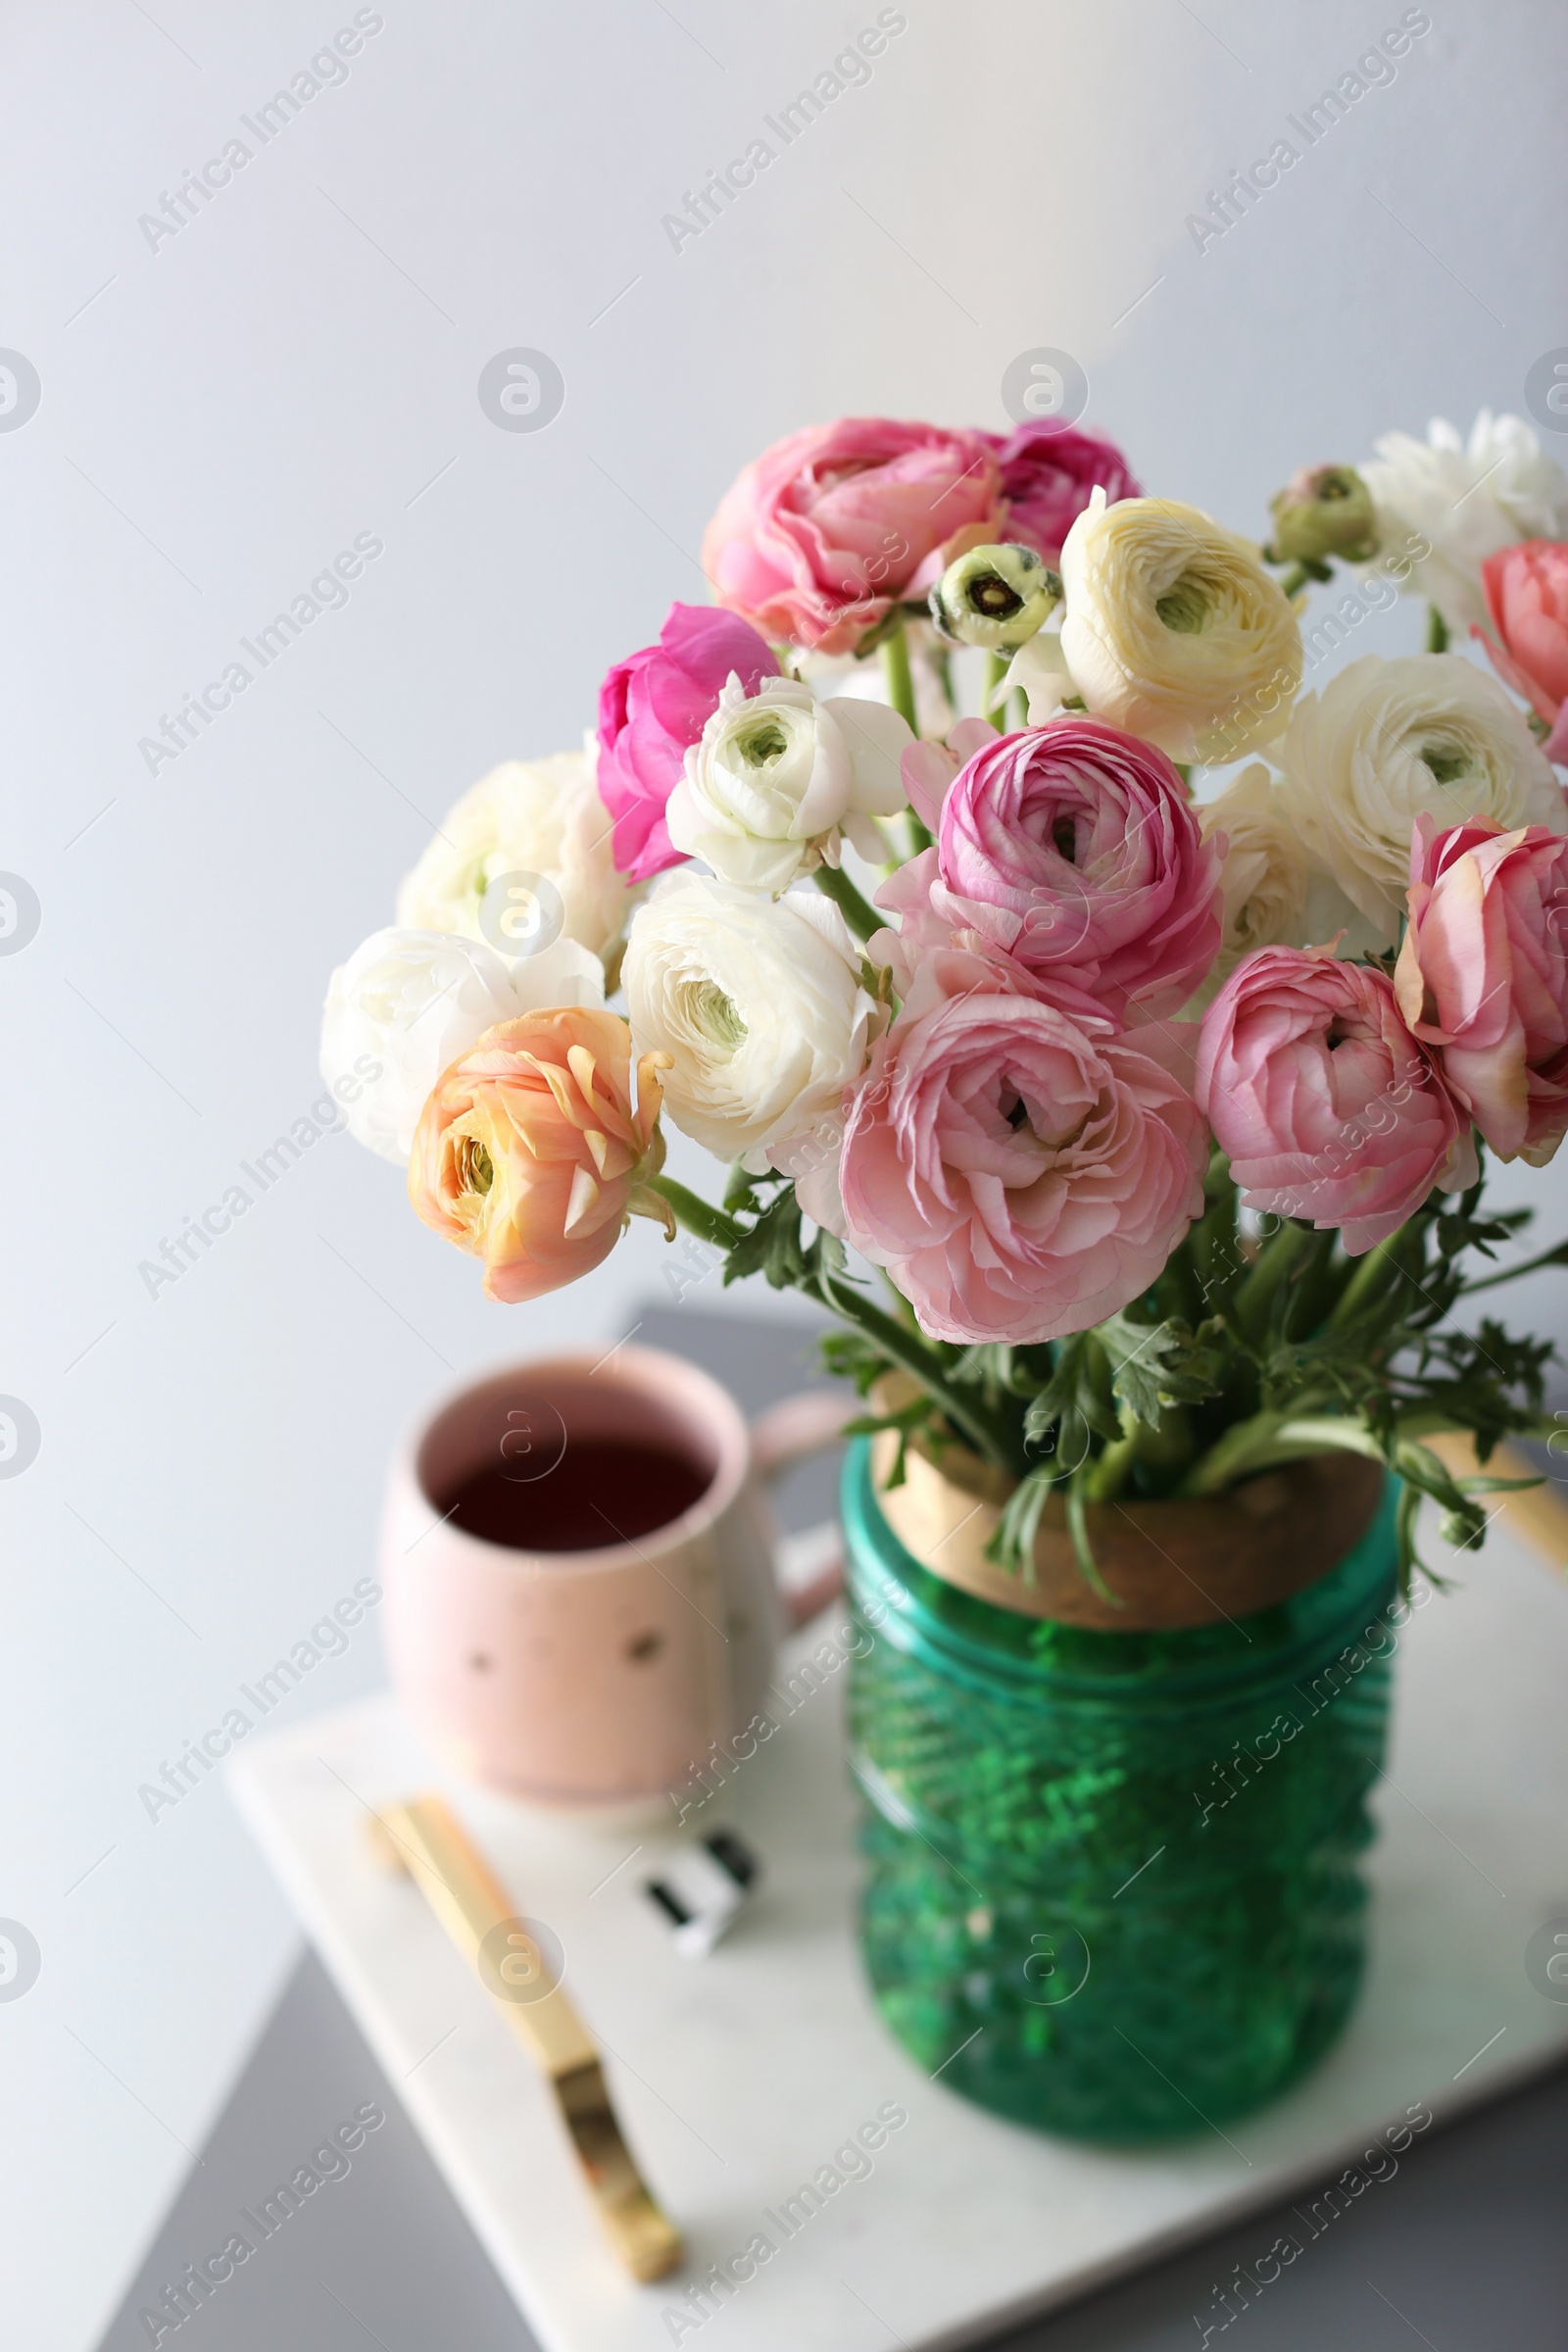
pixel 739 2077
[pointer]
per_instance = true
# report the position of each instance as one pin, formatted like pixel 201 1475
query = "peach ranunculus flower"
pixel 530 1152
pixel 1527 598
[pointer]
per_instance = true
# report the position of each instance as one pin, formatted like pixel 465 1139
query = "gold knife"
pixel 425 1838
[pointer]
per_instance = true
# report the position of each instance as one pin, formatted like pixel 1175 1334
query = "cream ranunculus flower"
pixel 1463 503
pixel 1266 873
pixel 537 818
pixel 1386 741
pixel 408 1002
pixel 1174 630
pixel 759 1005
pixel 778 776
pixel 1276 893
pixel 1040 669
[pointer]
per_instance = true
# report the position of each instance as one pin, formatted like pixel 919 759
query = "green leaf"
pixel 1013 1545
pixel 740 1193
pixel 1404 1519
pixel 906 1420
pixel 851 1355
pixel 826 1255
pixel 988 1365
pixel 1060 1391
pixel 772 1247
pixel 1458 1232
pixel 1083 1551
pixel 1464 1522
pixel 1161 1364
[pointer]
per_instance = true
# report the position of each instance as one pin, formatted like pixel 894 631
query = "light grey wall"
pixel 219 416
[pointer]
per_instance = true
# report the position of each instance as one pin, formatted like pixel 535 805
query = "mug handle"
pixel 787 1434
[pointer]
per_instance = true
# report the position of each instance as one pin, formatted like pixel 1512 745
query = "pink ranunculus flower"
pixel 822 533
pixel 654 705
pixel 928 768
pixel 1020 1174
pixel 1527 597
pixel 1047 477
pixel 1482 976
pixel 1326 1106
pixel 1075 849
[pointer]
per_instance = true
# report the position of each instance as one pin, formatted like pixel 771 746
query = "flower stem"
pixel 1558 1256
pixel 996 671
pixel 914 1354
pixel 897 675
pixel 944 670
pixel 1437 631
pixel 1268 1438
pixel 860 915
pixel 1370 1279
pixel 1105 1478
pixel 710 1224
pixel 907 1348
pixel 1260 1285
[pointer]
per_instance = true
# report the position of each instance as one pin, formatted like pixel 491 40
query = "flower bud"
pixel 1323 510
pixel 995 596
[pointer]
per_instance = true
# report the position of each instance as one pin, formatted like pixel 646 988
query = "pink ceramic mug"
pixel 592 1678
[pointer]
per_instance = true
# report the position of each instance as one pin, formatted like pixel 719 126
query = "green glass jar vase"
pixel 1113 1881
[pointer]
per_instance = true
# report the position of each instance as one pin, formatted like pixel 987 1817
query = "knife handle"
pixel 425 1838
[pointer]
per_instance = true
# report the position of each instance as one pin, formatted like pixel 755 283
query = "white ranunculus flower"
pixel 1040 668
pixel 778 776
pixel 1465 503
pixel 1275 890
pixel 757 1002
pixel 1331 920
pixel 1386 741
pixel 1266 873
pixel 1173 629
pixel 1276 894
pixel 408 1002
pixel 537 818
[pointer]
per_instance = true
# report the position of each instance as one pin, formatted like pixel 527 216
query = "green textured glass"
pixel 1114 1881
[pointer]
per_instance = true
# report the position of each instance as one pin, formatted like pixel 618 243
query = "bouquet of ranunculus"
pixel 1162 1116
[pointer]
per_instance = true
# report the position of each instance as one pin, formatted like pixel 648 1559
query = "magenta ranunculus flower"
pixel 651 707
pixel 1326 1106
pixel 1074 848
pixel 1527 598
pixel 1482 976
pixel 818 536
pixel 1046 476
pixel 1020 1174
